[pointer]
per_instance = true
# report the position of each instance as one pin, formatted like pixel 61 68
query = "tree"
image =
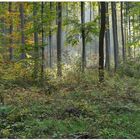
pixel 42 35
pixel 90 21
pixel 107 39
pixel 129 28
pixel 83 35
pixel 36 49
pixel 3 38
pixel 50 38
pixel 59 38
pixel 115 34
pixel 21 9
pixel 134 35
pixel 10 32
pixel 101 42
pixel 122 33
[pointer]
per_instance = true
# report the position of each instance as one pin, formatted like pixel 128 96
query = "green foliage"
pixel 79 107
pixel 74 34
pixel 131 68
pixel 75 105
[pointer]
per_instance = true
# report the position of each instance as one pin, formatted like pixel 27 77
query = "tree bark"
pixel 101 42
pixel 129 29
pixel 134 35
pixel 107 40
pixel 115 34
pixel 21 8
pixel 50 38
pixel 42 34
pixel 90 21
pixel 59 38
pixel 10 32
pixel 83 36
pixel 122 33
pixel 36 49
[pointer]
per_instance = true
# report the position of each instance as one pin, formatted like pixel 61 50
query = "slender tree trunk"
pixel 90 11
pixel 23 55
pixel 10 31
pixel 59 38
pixel 99 12
pixel 50 38
pixel 67 27
pixel 101 42
pixel 99 23
pixel 115 34
pixel 3 40
pixel 107 40
pixel 122 33
pixel 90 21
pixel 129 28
pixel 42 33
pixel 36 49
pixel 134 35
pixel 83 36
pixel 126 29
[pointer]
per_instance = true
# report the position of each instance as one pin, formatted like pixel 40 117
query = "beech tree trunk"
pixel 36 49
pixel 122 32
pixel 59 38
pixel 10 32
pixel 129 28
pixel 42 33
pixel 101 42
pixel 21 8
pixel 50 38
pixel 115 34
pixel 107 40
pixel 83 36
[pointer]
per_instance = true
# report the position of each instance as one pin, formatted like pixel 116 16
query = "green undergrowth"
pixel 78 107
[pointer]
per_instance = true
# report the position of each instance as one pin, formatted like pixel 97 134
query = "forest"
pixel 70 70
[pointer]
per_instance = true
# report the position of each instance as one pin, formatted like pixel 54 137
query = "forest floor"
pixel 85 109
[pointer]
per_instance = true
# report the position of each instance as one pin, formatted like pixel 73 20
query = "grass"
pixel 79 108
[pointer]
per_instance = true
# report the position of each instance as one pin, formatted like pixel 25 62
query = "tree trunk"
pixel 36 49
pixel 59 38
pixel 134 35
pixel 122 32
pixel 23 55
pixel 115 34
pixel 83 36
pixel 90 21
pixel 10 32
pixel 107 40
pixel 129 28
pixel 101 42
pixel 126 28
pixel 42 34
pixel 50 38
pixel 3 39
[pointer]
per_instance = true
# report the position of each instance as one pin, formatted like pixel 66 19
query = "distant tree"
pixel 36 47
pixel 22 22
pixel 133 22
pixel 129 29
pixel 3 32
pixel 122 33
pixel 90 21
pixel 101 41
pixel 10 32
pixel 50 37
pixel 115 34
pixel 43 45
